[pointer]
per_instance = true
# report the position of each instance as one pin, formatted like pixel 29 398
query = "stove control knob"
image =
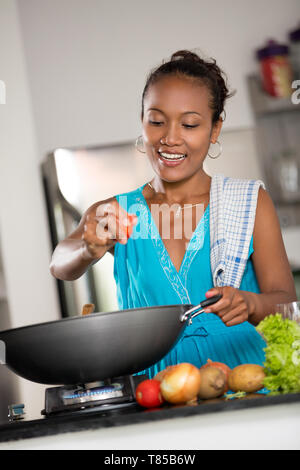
pixel 16 412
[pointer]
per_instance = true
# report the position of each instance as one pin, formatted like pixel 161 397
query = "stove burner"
pixel 103 395
pixel 86 395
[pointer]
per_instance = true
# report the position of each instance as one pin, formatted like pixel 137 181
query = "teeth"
pixel 173 156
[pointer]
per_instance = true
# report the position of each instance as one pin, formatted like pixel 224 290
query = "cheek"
pixel 150 134
pixel 199 140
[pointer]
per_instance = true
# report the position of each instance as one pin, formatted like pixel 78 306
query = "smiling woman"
pixel 235 246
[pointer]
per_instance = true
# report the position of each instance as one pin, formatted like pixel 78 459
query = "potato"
pixel 246 378
pixel 213 382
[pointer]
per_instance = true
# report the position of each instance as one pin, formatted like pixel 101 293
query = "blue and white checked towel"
pixel 232 216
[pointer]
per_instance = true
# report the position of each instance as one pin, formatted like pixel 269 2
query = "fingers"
pixel 103 231
pixel 104 209
pixel 108 224
pixel 235 316
pixel 120 222
pixel 109 228
pixel 231 308
pixel 113 208
pixel 223 305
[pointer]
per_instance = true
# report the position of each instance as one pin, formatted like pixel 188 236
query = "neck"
pixel 183 191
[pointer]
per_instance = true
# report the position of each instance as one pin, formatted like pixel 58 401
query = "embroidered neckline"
pixel 178 279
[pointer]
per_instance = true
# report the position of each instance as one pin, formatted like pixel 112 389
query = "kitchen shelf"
pixel 263 103
pixel 277 124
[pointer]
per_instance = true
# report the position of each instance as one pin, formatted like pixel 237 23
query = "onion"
pixel 213 382
pixel 181 383
pixel 160 375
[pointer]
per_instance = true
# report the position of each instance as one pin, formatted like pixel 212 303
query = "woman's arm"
pixel 272 270
pixel 270 262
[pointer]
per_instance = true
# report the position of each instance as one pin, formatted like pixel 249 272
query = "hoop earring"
pixel 138 142
pixel 220 151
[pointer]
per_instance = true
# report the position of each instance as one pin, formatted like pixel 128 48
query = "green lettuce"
pixel 282 354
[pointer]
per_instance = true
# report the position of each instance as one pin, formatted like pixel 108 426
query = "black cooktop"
pixel 95 418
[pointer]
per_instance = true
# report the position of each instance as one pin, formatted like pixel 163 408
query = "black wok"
pixel 97 346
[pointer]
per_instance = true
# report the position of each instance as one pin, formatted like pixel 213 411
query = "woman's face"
pixel 177 127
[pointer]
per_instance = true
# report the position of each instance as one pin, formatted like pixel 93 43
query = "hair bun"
pixel 185 55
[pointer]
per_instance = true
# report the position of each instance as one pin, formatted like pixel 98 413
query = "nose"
pixel 172 136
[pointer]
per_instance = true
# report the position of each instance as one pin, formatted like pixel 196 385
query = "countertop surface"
pixel 93 420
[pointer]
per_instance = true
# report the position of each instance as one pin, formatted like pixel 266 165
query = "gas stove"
pixel 113 395
pixel 103 395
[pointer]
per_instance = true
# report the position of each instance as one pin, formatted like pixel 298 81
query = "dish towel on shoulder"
pixel 232 216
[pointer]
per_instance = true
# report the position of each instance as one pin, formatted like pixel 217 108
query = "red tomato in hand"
pixel 148 394
pixel 129 228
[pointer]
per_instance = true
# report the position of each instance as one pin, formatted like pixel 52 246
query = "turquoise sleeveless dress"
pixel 145 276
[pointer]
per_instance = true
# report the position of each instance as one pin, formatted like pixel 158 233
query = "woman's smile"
pixel 171 159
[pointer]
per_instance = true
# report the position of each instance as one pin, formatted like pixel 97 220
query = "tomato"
pixel 148 394
pixel 129 228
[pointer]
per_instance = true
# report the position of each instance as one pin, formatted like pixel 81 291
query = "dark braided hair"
pixel 188 64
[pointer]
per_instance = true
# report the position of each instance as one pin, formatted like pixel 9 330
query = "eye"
pixel 188 126
pixel 155 123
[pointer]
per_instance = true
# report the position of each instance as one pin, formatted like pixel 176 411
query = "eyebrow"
pixel 186 112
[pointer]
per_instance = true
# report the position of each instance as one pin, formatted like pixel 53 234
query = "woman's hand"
pixel 105 225
pixel 233 308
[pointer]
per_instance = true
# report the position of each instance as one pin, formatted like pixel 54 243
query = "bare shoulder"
pixel 264 202
pixel 266 219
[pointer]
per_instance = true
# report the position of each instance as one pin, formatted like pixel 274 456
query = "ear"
pixel 216 131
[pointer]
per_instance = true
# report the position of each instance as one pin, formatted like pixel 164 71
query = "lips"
pixel 171 159
pixel 171 155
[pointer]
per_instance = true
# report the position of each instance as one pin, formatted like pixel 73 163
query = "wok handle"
pixel 193 312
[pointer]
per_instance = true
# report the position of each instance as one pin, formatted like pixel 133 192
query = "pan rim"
pixel 92 315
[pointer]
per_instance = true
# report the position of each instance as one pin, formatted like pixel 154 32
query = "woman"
pixel 234 246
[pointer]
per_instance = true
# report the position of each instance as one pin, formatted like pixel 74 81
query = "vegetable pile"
pixel 185 383
pixel 282 363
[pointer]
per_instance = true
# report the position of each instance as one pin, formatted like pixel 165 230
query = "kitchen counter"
pixel 256 421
